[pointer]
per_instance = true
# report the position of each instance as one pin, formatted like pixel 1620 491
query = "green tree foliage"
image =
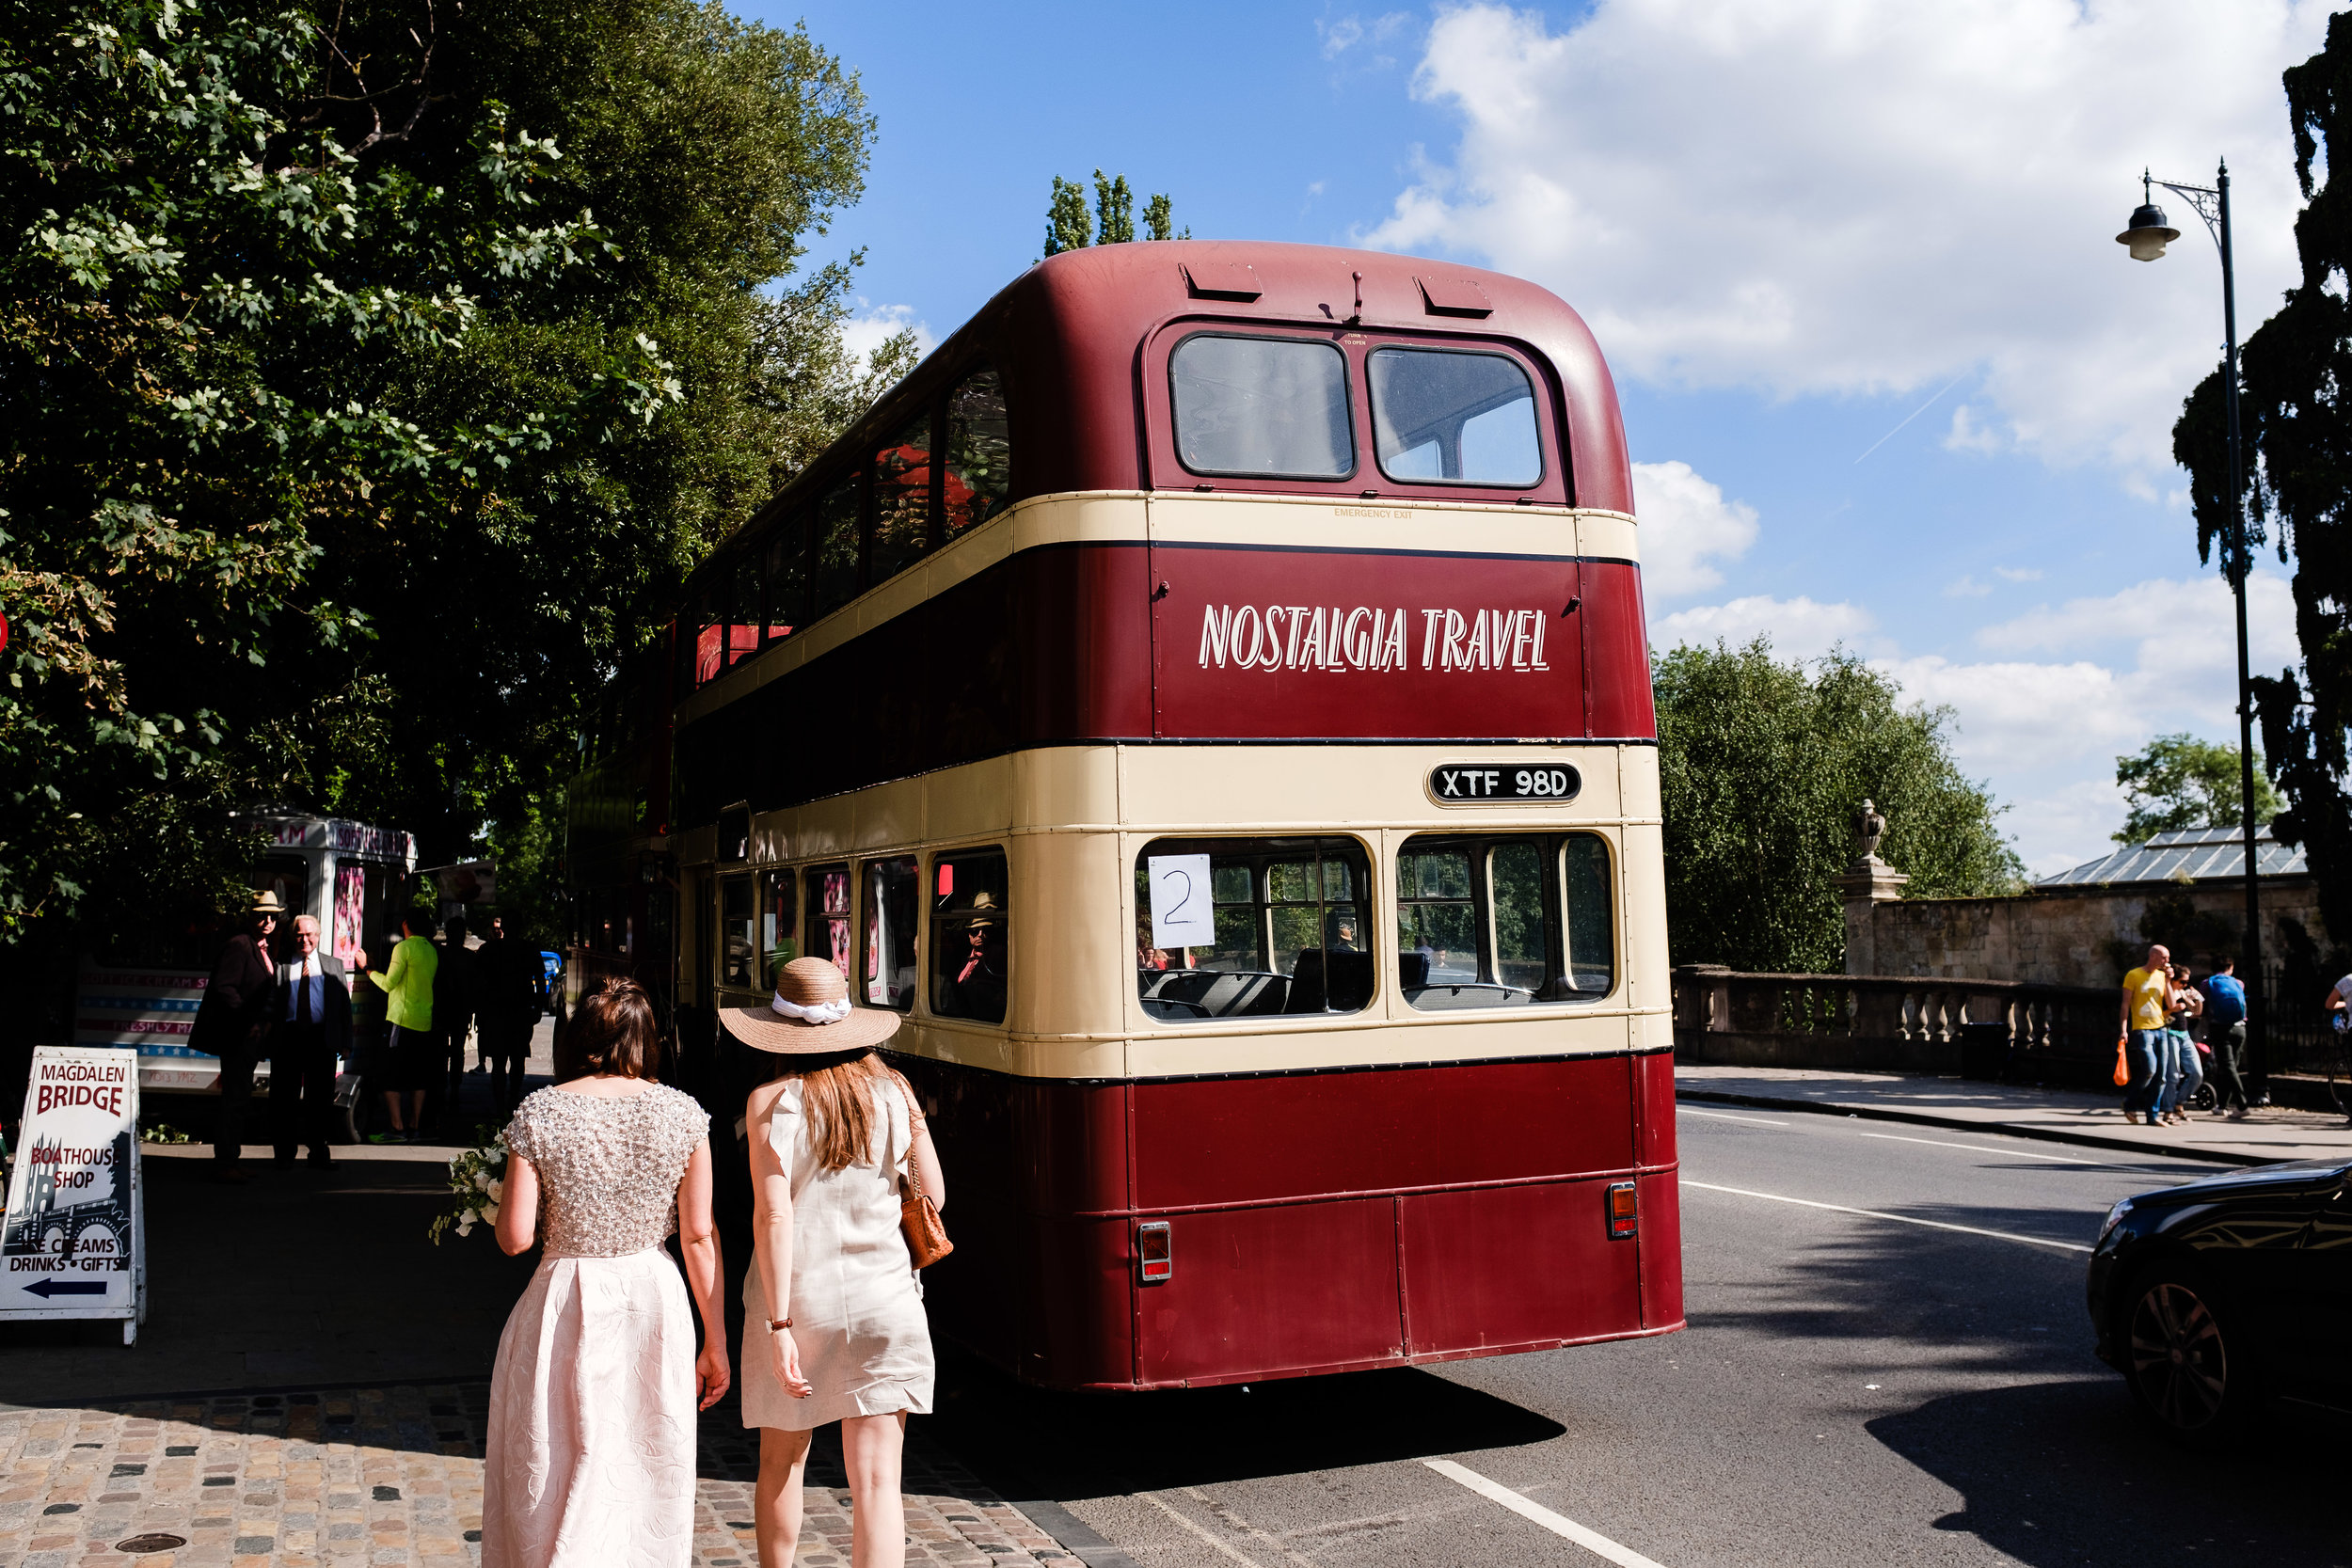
pixel 207 312
pixel 2178 780
pixel 1764 766
pixel 2296 409
pixel 1070 226
pixel 369 389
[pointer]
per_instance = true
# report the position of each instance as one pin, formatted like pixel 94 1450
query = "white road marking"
pixel 1245 1525
pixel 1979 1148
pixel 1898 1219
pixel 1251 1561
pixel 1725 1115
pixel 1592 1541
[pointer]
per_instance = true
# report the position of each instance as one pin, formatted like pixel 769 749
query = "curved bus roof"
pixel 1067 337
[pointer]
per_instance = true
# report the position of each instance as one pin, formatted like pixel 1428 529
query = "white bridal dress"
pixel 589 1460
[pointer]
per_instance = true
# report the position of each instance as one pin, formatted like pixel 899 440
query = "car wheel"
pixel 2192 1373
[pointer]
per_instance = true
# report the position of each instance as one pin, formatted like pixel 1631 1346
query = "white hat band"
pixel 823 1012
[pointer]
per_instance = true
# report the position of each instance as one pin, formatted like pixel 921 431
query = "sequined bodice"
pixel 608 1170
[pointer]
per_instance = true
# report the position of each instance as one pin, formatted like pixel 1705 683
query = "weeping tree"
pixel 1763 766
pixel 2296 408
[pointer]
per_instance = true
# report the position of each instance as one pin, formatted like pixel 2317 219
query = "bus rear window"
pixel 1231 927
pixel 1268 406
pixel 1503 921
pixel 1455 418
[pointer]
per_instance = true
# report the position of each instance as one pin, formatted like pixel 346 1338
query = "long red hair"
pixel 837 1097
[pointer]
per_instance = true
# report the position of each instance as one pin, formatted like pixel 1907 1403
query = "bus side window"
pixel 979 451
pixel 1284 919
pixel 779 904
pixel 737 934
pixel 708 621
pixel 1592 966
pixel 969 908
pixel 890 917
pixel 838 546
pixel 826 891
pixel 743 612
pixel 1497 920
pixel 903 498
pixel 787 604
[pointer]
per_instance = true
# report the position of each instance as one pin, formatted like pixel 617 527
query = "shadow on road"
pixel 1027 1442
pixel 2067 1473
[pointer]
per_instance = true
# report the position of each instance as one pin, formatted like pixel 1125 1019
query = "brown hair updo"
pixel 612 1032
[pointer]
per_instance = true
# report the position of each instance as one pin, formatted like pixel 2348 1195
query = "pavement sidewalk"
pixel 2063 1115
pixel 309 1388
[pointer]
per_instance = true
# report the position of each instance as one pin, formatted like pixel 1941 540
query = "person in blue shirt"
pixel 2225 1032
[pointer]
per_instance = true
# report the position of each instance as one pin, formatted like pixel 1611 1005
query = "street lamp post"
pixel 2146 235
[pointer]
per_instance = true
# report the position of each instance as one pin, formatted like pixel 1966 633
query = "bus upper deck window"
pixel 969 897
pixel 838 546
pixel 1269 406
pixel 787 579
pixel 1448 417
pixel 1281 922
pixel 979 451
pixel 903 498
pixel 744 610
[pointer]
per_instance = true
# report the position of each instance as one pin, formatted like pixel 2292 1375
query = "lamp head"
pixel 2147 233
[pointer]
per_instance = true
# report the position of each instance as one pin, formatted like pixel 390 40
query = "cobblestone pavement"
pixel 394 1476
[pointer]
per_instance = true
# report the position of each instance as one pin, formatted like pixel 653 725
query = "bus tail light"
pixel 1158 1263
pixel 1624 1216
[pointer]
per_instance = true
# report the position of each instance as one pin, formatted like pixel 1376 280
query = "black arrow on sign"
pixel 48 1287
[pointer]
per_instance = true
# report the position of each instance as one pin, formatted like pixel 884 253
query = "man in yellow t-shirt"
pixel 2147 997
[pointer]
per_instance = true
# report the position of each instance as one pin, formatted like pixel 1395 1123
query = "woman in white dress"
pixel 831 1138
pixel 589 1459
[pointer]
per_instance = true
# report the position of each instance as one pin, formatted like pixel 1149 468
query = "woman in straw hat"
pixel 830 1137
pixel 590 1457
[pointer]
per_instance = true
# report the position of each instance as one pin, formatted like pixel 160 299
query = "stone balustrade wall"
pixel 2057 1034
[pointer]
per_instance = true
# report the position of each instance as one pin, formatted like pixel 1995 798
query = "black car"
pixel 2212 1296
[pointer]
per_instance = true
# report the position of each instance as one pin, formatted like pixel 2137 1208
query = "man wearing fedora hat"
pixel 231 1022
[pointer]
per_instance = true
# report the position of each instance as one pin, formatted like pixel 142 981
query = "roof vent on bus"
pixel 1220 280
pixel 1454 296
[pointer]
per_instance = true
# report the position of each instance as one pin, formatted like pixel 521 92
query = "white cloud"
pixel 2018 574
pixel 870 324
pixel 1799 627
pixel 1350 30
pixel 1967 588
pixel 1850 197
pixel 1968 435
pixel 1687 526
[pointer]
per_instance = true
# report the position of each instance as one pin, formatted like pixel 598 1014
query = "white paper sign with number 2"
pixel 1182 915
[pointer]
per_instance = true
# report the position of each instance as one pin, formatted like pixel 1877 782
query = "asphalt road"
pixel 1852 1389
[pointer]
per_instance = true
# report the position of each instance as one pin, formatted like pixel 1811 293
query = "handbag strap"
pixel 914 1177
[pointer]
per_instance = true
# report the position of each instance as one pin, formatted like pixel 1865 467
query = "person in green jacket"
pixel 410 1052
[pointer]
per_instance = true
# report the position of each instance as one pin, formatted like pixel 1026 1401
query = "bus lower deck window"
pixel 1229 927
pixel 825 931
pixel 779 907
pixel 739 934
pixel 1269 406
pixel 969 908
pixel 1503 920
pixel 890 933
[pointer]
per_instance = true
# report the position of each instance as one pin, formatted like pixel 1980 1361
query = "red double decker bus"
pixel 1209 698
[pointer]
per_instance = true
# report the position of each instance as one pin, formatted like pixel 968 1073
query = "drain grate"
pixel 158 1543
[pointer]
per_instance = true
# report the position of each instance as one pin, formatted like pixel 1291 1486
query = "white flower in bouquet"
pixel 482 1182
pixel 489 1215
pixel 497 1189
pixel 465 1227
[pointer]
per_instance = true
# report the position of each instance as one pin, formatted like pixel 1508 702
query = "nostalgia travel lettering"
pixel 1311 637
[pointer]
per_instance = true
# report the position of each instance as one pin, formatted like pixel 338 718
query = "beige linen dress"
pixel 588 1460
pixel 857 1304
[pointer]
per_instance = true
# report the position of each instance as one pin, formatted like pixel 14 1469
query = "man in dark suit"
pixel 310 1026
pixel 231 1022
pixel 507 1008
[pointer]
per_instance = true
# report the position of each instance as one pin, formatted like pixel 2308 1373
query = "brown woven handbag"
pixel 918 1216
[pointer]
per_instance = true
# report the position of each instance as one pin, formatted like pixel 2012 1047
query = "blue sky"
pixel 1792 225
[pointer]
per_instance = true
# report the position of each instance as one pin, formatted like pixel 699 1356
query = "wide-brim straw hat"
pixel 266 903
pixel 811 1015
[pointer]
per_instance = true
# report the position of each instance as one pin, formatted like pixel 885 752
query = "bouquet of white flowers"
pixel 477 1183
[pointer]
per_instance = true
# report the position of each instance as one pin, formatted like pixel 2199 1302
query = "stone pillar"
pixel 1867 881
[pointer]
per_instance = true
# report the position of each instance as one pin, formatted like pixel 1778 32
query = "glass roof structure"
pixel 2190 854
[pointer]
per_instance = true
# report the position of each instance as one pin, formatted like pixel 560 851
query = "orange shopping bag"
pixel 2122 1074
